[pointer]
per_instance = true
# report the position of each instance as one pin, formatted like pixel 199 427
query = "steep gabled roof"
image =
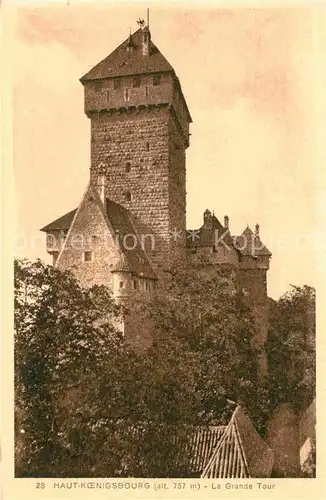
pixel 133 258
pixel 128 241
pixel 250 244
pixel 122 62
pixel 208 234
pixel 61 224
pixel 221 451
pixel 241 452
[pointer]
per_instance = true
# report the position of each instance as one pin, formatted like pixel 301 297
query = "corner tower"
pixel 139 136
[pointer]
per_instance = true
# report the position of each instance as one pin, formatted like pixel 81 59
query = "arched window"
pixel 128 196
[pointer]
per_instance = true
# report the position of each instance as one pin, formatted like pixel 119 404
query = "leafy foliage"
pixel 63 336
pixel 88 405
pixel 291 348
pixel 203 335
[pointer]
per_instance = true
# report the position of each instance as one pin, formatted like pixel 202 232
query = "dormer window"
pixel 116 83
pixel 136 81
pixel 156 79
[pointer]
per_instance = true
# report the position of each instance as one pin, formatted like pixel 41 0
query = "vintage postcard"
pixel 163 191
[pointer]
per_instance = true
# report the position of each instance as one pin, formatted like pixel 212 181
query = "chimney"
pixel 226 222
pixel 257 229
pixel 146 38
pixel 101 188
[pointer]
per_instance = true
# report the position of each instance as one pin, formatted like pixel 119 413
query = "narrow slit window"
pixel 136 81
pixel 55 257
pixel 116 83
pixel 156 79
pixel 134 284
pixel 127 94
pixel 147 146
pixel 146 91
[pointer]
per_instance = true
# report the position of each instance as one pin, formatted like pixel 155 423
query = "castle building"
pixel 130 225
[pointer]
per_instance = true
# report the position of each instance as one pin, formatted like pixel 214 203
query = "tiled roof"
pixel 202 442
pixel 122 62
pixel 61 224
pixel 129 242
pixel 249 243
pixel 133 258
pixel 206 235
pixel 122 266
pixel 226 451
pixel 241 452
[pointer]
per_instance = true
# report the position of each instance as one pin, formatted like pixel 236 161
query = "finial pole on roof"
pixel 148 17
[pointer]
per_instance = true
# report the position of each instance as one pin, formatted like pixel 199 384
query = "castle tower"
pixel 139 135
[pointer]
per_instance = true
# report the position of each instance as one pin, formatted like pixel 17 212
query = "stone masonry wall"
pixel 253 284
pixel 89 232
pixel 102 94
pixel 141 174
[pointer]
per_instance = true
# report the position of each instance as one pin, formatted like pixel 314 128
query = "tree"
pixel 63 335
pixel 90 406
pixel 291 348
pixel 203 325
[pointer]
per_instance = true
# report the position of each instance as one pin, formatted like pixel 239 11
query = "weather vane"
pixel 140 22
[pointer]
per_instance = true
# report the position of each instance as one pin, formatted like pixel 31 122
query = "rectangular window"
pixel 121 284
pixel 134 284
pixel 146 91
pixel 156 79
pixel 55 256
pixel 136 81
pixel 98 86
pixel 147 287
pixel 88 256
pixel 63 234
pixel 116 83
pixel 127 94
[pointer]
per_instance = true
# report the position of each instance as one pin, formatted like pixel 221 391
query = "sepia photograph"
pixel 164 167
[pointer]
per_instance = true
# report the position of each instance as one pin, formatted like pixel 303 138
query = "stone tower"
pixel 139 135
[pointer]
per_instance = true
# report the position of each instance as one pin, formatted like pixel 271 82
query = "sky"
pixel 249 77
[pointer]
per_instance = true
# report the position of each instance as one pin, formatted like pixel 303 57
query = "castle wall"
pixel 283 438
pixel 89 233
pixel 253 283
pixel 141 174
pixel 101 94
